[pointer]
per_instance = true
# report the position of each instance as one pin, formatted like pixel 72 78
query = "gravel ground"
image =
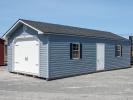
pixel 110 85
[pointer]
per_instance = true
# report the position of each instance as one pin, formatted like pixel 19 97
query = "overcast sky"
pixel 107 15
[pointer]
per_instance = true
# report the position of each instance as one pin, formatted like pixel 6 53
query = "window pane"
pixel 132 53
pixel 75 47
pixel 118 50
pixel 118 53
pixel 75 50
pixel 132 47
pixel 118 47
pixel 76 54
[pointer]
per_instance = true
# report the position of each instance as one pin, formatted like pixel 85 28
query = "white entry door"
pixel 100 53
pixel 26 57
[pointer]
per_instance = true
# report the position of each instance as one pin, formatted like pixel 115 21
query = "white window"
pixel 118 50
pixel 75 50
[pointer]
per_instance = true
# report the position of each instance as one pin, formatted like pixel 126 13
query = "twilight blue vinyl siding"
pixel 61 65
pixel 112 62
pixel 44 56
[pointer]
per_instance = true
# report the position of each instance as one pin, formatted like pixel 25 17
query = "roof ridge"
pixel 66 27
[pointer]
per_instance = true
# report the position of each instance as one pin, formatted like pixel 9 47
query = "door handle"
pixel 26 58
pixel 37 64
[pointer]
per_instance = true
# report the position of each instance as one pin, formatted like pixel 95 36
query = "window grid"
pixel 75 51
pixel 118 51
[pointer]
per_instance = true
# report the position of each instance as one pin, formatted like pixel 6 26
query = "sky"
pixel 107 15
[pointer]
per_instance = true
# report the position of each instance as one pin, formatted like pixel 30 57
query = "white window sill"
pixel 75 58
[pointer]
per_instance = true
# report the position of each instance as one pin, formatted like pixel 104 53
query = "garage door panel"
pixel 18 56
pixel 26 55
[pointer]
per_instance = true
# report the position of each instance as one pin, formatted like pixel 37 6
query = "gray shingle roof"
pixel 63 29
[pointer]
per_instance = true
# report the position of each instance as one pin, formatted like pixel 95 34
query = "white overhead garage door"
pixel 26 57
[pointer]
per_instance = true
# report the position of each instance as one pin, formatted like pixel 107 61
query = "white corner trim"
pixel 17 23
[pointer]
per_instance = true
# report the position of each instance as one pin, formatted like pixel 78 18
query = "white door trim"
pixel 13 53
pixel 100 56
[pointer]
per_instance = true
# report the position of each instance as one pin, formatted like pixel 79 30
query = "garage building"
pixel 54 51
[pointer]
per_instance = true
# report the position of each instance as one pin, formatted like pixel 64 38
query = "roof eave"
pixel 16 25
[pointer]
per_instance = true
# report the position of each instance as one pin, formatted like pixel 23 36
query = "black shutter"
pixel 115 50
pixel 80 50
pixel 70 50
pixel 121 50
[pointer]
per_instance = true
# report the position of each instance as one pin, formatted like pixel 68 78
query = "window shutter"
pixel 115 50
pixel 70 50
pixel 121 50
pixel 80 50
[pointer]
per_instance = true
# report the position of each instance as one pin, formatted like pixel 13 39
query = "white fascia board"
pixel 17 23
pixel 39 32
pixel 4 36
